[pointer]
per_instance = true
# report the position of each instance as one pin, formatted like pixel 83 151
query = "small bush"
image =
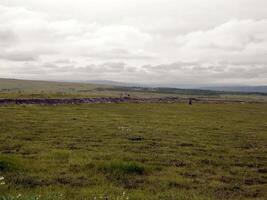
pixel 122 167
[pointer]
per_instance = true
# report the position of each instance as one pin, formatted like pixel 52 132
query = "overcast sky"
pixel 186 42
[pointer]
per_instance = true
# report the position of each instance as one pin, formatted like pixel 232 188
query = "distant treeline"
pixel 177 91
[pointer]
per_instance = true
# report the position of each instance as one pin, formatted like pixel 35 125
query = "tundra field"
pixel 139 151
pixel 133 151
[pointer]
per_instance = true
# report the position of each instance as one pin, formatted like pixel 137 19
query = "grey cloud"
pixel 202 72
pixel 175 41
pixel 7 37
pixel 64 61
pixel 234 35
pixel 28 69
pixel 18 56
pixel 104 68
pixel 50 66
pixel 113 67
pixel 120 54
pixel 171 67
pixel 245 61
pixel 194 73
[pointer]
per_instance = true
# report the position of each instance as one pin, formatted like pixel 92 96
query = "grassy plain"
pixel 134 151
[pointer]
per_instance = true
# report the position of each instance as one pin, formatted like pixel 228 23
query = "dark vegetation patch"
pixel 74 182
pixel 122 168
pixel 228 192
pixel 263 170
pixel 178 163
pixel 136 138
pixel 8 164
pixel 30 181
pixel 165 90
pixel 185 145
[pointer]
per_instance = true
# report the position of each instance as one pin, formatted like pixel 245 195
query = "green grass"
pixel 139 151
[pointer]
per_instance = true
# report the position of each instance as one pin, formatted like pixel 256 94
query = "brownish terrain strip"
pixel 116 100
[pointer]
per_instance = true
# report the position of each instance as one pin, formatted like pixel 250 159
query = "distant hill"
pixel 109 88
pixel 108 82
pixel 246 89
pixel 147 85
pixel 15 85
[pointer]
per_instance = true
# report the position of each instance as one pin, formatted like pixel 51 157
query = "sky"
pixel 182 42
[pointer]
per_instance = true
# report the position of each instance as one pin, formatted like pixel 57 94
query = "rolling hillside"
pixel 13 88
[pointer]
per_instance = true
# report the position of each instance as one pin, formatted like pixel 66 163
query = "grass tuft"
pixel 122 167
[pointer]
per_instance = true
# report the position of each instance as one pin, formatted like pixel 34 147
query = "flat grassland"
pixel 133 151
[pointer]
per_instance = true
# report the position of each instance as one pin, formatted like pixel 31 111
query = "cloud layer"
pixel 142 46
